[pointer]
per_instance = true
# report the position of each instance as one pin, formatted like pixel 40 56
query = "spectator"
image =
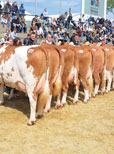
pixel 13 34
pixel 45 14
pixel 33 28
pixel 75 40
pixel 55 40
pixel 23 27
pixel 7 10
pixel 25 41
pixel 0 11
pixel 15 24
pixel 15 9
pixel 4 21
pixel 40 32
pixel 69 19
pixel 48 39
pixel 34 20
pixel 32 40
pixel 22 9
pixel 4 39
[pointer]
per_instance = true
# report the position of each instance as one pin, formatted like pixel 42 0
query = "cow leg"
pixel 48 104
pixel 63 101
pixel 1 94
pixel 86 92
pixel 58 104
pixel 90 86
pixel 109 80
pixel 76 82
pixel 113 80
pixel 103 81
pixel 33 103
pixel 11 94
pixel 86 89
pixel 76 95
pixel 97 82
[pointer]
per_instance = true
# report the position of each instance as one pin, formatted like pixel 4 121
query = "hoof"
pixel 62 105
pixel 58 107
pixel 1 103
pixel 39 116
pixel 31 123
pixel 75 103
pixel 85 101
pixel 47 111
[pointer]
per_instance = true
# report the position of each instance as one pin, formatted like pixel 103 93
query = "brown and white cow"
pixel 70 73
pixel 85 70
pixel 33 70
pixel 98 67
pixel 109 66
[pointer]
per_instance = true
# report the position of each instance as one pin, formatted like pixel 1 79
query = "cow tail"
pixel 103 84
pixel 91 76
pixel 58 83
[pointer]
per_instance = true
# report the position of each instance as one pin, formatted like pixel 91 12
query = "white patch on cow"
pixel 81 51
pixel 93 49
pixel 96 90
pixel 63 50
pixel 76 95
pixel 10 77
pixel 107 49
pixel 48 104
pixel 86 92
pixel 2 49
pixel 64 98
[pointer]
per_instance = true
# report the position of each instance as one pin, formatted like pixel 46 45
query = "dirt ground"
pixel 74 129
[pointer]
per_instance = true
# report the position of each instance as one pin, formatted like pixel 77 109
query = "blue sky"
pixel 53 6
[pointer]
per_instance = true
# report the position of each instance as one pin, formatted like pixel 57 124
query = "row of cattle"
pixel 47 70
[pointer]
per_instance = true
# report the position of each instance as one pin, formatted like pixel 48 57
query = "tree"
pixel 110 6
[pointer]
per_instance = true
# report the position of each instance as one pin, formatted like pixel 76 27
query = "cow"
pixel 109 66
pixel 70 73
pixel 34 71
pixel 98 67
pixel 85 70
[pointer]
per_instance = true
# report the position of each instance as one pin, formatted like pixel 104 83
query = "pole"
pixel 105 8
pixel 35 7
pixel 83 3
pixel 60 7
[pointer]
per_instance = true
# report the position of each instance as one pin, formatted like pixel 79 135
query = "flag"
pixel 98 2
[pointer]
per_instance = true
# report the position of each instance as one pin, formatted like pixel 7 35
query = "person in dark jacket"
pixel 15 10
pixel 25 41
pixel 15 24
pixel 7 10
pixel 32 40
pixel 75 40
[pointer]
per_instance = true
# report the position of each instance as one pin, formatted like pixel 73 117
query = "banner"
pixel 94 7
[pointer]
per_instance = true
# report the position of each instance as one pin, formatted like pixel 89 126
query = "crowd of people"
pixel 55 30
